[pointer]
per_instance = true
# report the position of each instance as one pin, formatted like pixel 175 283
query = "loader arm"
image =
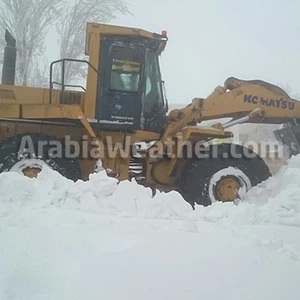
pixel 238 98
pixel 253 101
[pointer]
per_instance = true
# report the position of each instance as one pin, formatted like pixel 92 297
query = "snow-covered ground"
pixel 99 240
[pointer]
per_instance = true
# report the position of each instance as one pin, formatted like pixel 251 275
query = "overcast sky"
pixel 212 40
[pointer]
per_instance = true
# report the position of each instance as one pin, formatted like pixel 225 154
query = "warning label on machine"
pixel 126 66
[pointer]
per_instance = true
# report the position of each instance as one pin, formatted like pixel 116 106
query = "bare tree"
pixel 39 73
pixel 72 28
pixel 28 21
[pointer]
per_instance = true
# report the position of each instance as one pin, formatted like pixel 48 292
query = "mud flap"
pixel 289 137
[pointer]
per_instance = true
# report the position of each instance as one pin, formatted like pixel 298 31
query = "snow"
pixel 103 240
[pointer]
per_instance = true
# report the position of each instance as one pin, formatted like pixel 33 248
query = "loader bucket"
pixel 289 137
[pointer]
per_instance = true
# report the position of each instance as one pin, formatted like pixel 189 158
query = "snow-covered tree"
pixel 72 28
pixel 29 22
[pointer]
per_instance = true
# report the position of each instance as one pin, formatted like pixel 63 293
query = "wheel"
pixel 227 173
pixel 21 154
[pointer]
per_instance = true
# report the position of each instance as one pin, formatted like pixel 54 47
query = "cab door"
pixel 119 86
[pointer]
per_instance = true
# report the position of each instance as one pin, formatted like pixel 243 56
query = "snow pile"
pixel 101 194
pixel 275 201
pixel 103 240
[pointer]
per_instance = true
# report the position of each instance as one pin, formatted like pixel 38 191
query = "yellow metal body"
pixel 22 105
pixel 27 109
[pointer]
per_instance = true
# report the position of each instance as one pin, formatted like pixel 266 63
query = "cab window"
pixel 153 90
pixel 125 69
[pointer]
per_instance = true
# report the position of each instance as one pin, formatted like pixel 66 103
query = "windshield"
pixel 125 69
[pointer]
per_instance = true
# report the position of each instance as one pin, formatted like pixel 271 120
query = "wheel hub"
pixel 228 184
pixel 30 167
pixel 227 189
pixel 31 172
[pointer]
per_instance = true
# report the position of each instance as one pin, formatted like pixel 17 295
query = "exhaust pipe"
pixel 9 62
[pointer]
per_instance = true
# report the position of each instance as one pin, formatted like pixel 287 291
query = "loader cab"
pixel 129 85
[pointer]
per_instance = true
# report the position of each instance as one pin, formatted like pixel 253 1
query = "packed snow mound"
pixel 275 201
pixel 101 194
pixel 103 240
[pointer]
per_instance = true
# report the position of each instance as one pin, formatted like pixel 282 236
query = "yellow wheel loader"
pixel 120 117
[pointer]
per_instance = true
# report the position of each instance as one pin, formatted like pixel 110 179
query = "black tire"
pixel 197 175
pixel 10 150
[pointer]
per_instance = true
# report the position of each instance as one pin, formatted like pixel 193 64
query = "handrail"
pixel 62 84
pixel 69 85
